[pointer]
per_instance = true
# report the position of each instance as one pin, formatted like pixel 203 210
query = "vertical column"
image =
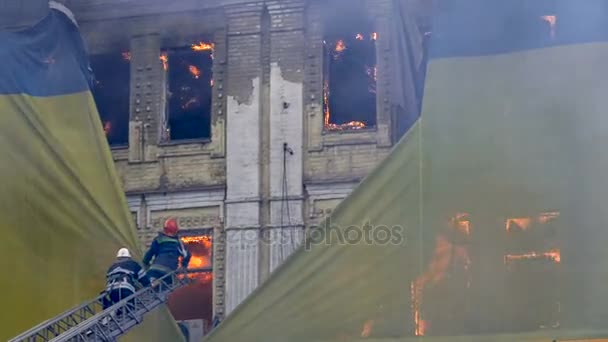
pixel 242 203
pixel 380 10
pixel 286 128
pixel 146 97
pixel 313 66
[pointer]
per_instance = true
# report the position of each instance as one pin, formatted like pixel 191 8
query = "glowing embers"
pixel 189 95
pixel 111 93
pixel 349 86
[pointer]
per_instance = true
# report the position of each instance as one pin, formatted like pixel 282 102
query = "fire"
pixel 344 126
pixel 211 82
pixel 359 36
pixel 446 255
pixel 326 103
pixel 375 36
pixel 462 223
pixel 553 255
pixel 202 46
pixel 340 46
pixel 522 223
pixel 552 21
pixel 164 58
pixel 107 127
pixel 196 72
pixel 126 55
pixel 199 261
pixel 204 240
pixel 367 328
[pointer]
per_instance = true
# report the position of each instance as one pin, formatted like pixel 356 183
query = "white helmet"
pixel 123 253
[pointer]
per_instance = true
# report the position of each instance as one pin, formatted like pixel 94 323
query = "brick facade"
pixel 268 80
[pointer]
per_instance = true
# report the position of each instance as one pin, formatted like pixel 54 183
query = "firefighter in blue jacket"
pixel 164 254
pixel 123 278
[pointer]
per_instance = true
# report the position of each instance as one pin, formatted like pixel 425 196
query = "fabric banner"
pixel 63 213
pixel 487 222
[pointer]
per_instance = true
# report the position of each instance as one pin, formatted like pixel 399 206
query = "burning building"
pixel 239 117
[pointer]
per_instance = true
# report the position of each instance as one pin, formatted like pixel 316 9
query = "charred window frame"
pixel 195 301
pixel 111 94
pixel 349 72
pixel 189 88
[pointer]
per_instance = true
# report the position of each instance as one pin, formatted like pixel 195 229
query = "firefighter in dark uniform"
pixel 124 278
pixel 165 253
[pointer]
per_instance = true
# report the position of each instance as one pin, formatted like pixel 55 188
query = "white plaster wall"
pixel 242 255
pixel 243 146
pixel 283 243
pixel 242 196
pixel 286 125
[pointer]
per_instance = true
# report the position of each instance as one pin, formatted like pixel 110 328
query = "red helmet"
pixel 170 227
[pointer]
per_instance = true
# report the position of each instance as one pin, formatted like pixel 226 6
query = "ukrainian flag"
pixel 489 220
pixel 63 213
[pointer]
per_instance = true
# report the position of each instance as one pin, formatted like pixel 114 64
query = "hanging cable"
pixel 285 200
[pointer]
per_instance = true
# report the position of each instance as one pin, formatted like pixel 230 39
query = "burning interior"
pixel 195 301
pixel 526 251
pixel 111 94
pixel 189 91
pixel 349 72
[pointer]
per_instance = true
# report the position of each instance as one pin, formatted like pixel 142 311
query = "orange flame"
pixel 205 240
pixel 444 256
pixel 126 55
pixel 375 36
pixel 107 127
pixel 196 72
pixel 340 46
pixel 552 21
pixel 553 255
pixel 344 126
pixel 211 83
pixel 359 36
pixel 164 58
pixel 522 223
pixel 326 103
pixel 367 328
pixel 198 261
pixel 462 223
pixel 202 46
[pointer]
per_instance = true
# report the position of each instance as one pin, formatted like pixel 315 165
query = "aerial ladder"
pixel 89 322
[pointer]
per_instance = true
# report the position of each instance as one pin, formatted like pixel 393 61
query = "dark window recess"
pixel 111 94
pixel 195 301
pixel 350 74
pixel 189 94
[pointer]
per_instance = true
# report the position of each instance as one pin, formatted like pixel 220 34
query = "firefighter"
pixel 123 278
pixel 163 256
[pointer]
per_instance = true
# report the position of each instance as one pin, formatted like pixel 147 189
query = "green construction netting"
pixel 63 213
pixel 488 220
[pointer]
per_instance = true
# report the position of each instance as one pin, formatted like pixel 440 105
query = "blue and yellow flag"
pixel 489 220
pixel 63 214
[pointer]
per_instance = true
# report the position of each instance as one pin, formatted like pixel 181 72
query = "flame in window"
pixel 202 46
pixel 126 55
pixel 340 46
pixel 375 36
pixel 359 36
pixel 196 72
pixel 552 21
pixel 164 58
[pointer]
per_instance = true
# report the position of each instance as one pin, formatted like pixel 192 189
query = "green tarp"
pixel 499 189
pixel 63 214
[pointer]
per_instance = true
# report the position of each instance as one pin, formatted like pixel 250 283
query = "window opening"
pixel 111 93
